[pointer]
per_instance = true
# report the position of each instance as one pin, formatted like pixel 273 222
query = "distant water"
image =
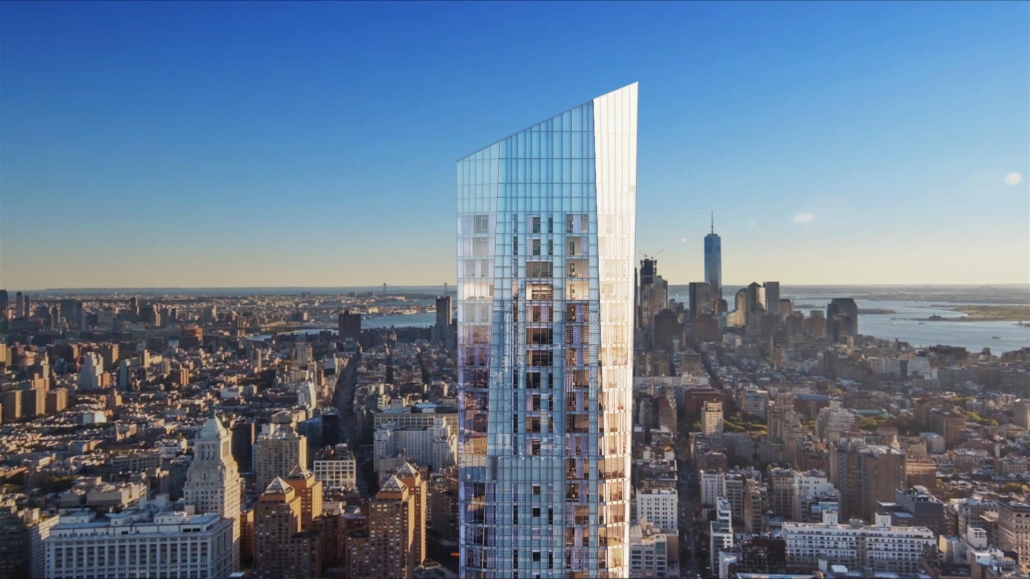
pixel 423 320
pixel 905 325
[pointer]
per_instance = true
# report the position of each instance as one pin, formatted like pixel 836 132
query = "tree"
pixel 1014 487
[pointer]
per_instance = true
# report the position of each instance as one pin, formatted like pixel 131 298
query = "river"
pixel 905 325
pixel 423 320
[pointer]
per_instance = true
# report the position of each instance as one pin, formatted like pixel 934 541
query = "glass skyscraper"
pixel 713 261
pixel 546 239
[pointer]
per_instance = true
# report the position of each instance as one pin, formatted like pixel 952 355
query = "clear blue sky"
pixel 153 144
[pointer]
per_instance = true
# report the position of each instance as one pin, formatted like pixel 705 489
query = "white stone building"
pixel 880 547
pixel 132 544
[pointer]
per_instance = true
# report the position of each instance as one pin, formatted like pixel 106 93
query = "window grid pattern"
pixel 546 223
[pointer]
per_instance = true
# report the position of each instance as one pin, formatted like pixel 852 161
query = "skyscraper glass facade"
pixel 713 263
pixel 546 239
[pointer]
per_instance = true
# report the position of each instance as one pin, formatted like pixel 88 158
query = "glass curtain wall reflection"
pixel 546 239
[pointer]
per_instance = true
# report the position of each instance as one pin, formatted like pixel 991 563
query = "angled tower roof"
pixel 625 97
pixel 407 469
pixel 279 487
pixel 393 484
pixel 213 429
pixel 297 472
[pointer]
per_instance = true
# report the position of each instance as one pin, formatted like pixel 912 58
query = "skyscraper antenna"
pixel 713 221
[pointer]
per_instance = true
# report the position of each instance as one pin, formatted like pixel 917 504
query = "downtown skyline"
pixel 144 149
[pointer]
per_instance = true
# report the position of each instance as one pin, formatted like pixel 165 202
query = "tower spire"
pixel 713 221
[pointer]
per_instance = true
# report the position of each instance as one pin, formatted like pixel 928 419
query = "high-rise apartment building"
pixel 713 261
pixel 91 375
pixel 866 475
pixel 711 418
pixel 281 549
pixel 546 240
pixel 213 479
pixel 700 299
pixel 309 490
pixel 444 314
pixel 654 292
pixel 419 488
pixel 350 326
pixel 276 454
pixel 22 532
pixel 841 319
pixel 386 547
pixel 772 297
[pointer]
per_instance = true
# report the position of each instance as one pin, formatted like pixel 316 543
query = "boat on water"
pixel 995 337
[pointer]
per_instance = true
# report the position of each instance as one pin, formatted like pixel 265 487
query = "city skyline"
pixel 148 147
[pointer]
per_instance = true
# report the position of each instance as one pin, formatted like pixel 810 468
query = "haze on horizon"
pixel 305 145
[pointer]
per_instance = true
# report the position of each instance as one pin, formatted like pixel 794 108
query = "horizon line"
pixel 454 286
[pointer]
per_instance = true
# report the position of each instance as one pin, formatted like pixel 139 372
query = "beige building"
pixel 387 549
pixel 213 483
pixel 276 454
pixel 1014 527
pixel 711 418
pixel 419 489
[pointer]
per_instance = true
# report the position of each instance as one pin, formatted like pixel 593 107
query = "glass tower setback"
pixel 546 239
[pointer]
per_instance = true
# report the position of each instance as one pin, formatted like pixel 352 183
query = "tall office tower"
pixel 713 260
pixel 27 306
pixel 5 302
pixel 647 270
pixel 701 299
pixel 755 302
pixel 667 331
pixel 277 453
pixel 72 312
pixel 19 305
pixel 772 297
pixel 444 314
pixel 740 303
pixel 350 326
pixel 546 241
pixel 841 318
pixel 419 488
pixel 655 298
pixel 213 480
